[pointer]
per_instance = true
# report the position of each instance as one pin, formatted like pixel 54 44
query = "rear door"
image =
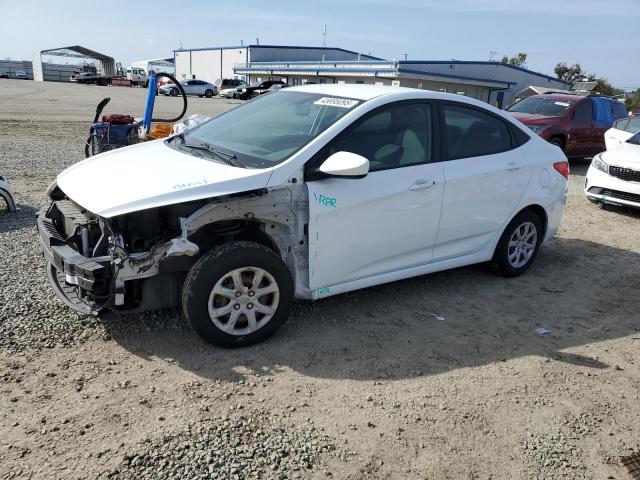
pixel 485 179
pixel 388 220
pixel 582 132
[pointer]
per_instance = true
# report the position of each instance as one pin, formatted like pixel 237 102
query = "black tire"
pixel 174 92
pixel 558 142
pixel 500 261
pixel 208 93
pixel 212 267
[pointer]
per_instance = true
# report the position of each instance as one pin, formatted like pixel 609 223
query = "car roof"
pixel 560 96
pixel 367 92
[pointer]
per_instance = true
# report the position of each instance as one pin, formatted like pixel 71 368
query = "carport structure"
pixel 107 64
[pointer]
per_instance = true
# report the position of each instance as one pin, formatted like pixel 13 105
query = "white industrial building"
pixel 493 82
pixel 212 63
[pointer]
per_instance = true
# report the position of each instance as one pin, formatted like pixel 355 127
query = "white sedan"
pixel 228 92
pixel 323 190
pixel 190 87
pixel 621 131
pixel 614 176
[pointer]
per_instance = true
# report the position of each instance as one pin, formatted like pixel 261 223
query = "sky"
pixel 603 36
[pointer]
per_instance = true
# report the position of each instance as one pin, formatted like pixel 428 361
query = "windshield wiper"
pixel 229 158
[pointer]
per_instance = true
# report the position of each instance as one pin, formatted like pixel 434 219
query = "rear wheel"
pixel 558 142
pixel 237 294
pixel 208 93
pixel 518 245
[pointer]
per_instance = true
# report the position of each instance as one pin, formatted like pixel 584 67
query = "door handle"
pixel 512 166
pixel 421 185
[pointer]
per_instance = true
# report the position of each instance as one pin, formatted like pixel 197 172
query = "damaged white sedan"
pixel 305 193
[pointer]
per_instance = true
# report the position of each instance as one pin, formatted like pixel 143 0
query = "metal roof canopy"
pixel 107 63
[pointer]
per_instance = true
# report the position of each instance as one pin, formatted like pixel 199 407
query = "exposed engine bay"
pixel 138 261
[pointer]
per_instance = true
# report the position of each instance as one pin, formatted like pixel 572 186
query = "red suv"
pixel 574 123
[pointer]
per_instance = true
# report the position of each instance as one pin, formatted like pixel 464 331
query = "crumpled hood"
pixel 626 155
pixel 152 174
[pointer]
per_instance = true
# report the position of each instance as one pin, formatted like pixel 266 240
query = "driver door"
pixel 386 221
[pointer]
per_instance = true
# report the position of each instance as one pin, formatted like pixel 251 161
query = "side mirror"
pixel 345 164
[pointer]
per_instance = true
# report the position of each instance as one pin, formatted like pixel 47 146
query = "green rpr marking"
pixel 323 291
pixel 326 201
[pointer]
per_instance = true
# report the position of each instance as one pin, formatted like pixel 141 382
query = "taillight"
pixel 563 168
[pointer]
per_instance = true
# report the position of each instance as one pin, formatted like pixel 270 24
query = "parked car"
pixel 6 194
pixel 22 76
pixel 343 187
pixel 227 83
pixel 575 124
pixel 621 131
pixel 191 87
pixel 249 91
pixel 230 91
pixel 614 176
pixel 272 88
pixel 4 75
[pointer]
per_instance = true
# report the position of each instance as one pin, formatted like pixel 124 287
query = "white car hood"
pixel 626 155
pixel 149 175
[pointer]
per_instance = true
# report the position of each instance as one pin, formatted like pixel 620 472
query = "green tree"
pixel 571 74
pixel 633 101
pixel 520 60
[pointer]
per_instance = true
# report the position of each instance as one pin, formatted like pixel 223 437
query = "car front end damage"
pixel 138 261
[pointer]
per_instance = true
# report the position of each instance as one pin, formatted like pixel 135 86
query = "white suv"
pixel 304 193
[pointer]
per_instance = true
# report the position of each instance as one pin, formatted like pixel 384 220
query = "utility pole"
pixel 324 34
pixel 405 56
pixel 492 54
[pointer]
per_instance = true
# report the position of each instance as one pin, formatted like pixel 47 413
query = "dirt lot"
pixel 367 385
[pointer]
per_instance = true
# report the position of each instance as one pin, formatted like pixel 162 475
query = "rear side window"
pixel 619 110
pixel 471 133
pixel 584 112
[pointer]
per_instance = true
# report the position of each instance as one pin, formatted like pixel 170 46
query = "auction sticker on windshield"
pixel 336 102
pixel 563 104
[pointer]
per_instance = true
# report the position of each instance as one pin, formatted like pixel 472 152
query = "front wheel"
pixel 208 93
pixel 237 294
pixel 174 92
pixel 518 245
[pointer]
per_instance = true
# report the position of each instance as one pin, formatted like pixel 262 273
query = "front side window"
pixel 393 137
pixel 634 125
pixel 549 107
pixel 621 124
pixel 471 133
pixel 267 130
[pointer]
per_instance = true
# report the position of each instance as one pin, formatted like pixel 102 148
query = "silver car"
pixel 191 87
pixel 6 194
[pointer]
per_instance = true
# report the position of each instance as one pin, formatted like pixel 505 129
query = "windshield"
pixel 635 139
pixel 549 107
pixel 266 131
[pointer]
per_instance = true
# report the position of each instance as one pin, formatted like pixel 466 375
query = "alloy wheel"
pixel 522 244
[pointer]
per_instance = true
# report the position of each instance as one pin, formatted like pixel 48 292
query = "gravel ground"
pixel 367 385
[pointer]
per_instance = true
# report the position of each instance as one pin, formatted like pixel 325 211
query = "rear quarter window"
pixel 470 132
